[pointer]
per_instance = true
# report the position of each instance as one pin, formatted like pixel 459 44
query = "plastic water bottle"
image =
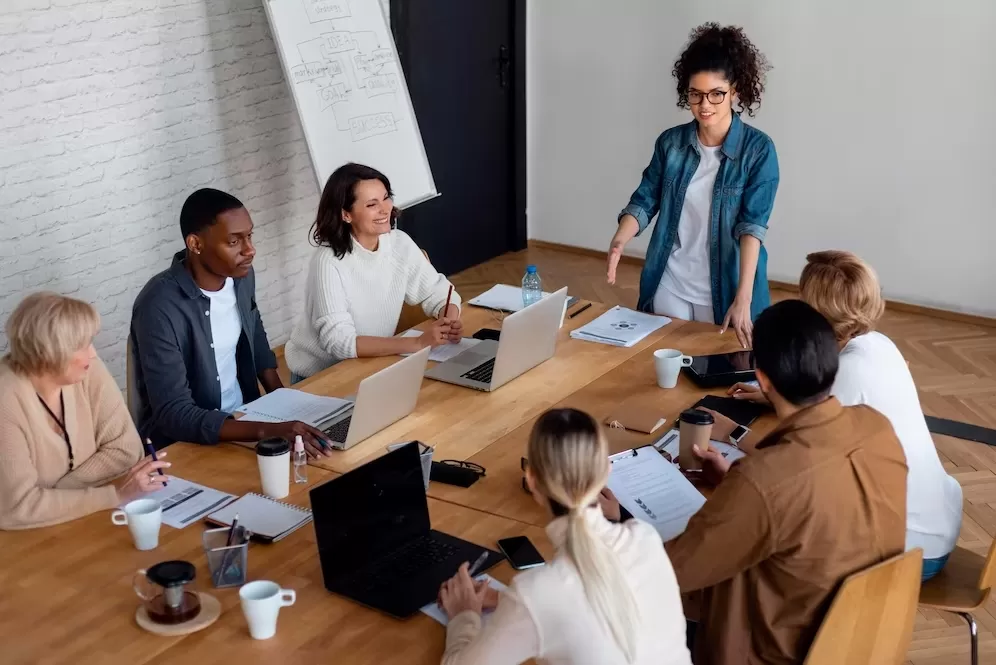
pixel 532 287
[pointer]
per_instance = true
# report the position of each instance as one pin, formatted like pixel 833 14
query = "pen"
pixel 477 564
pixel 579 311
pixel 152 451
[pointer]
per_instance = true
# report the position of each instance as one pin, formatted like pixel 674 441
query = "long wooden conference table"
pixel 66 591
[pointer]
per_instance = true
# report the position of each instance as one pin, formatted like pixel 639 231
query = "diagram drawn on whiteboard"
pixel 353 75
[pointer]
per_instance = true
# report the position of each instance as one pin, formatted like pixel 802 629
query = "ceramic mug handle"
pixel 686 361
pixel 119 517
pixel 137 588
pixel 287 597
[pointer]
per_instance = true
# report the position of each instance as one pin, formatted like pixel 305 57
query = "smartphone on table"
pixel 520 552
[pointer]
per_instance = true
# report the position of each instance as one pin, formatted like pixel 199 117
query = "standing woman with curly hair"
pixel 712 185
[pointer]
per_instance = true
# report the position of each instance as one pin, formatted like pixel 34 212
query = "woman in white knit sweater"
pixel 362 273
pixel 609 595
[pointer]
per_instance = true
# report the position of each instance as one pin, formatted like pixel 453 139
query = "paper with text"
pixel 669 443
pixel 620 327
pixel 185 502
pixel 654 491
pixel 287 404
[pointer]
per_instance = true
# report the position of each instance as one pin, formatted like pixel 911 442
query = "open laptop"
pixel 381 400
pixel 375 542
pixel 528 338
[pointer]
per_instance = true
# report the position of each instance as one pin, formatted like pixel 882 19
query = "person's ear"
pixel 763 382
pixel 346 217
pixel 194 244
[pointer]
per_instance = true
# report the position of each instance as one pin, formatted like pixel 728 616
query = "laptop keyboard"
pixel 482 372
pixel 339 431
pixel 419 554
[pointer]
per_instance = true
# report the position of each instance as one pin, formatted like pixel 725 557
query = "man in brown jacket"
pixel 822 496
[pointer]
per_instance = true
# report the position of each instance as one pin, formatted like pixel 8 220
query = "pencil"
pixel 477 564
pixel 449 296
pixel 579 311
pixel 152 451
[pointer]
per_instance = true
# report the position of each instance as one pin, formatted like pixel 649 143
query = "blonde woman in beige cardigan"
pixel 68 446
pixel 609 595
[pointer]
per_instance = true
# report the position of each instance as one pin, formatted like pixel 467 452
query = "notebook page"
pixel 263 516
pixel 287 404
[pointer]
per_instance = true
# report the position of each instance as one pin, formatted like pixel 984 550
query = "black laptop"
pixel 374 539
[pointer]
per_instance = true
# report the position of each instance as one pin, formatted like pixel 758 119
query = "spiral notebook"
pixel 268 519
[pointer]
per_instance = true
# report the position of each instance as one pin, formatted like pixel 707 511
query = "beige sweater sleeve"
pixel 507 637
pixel 118 446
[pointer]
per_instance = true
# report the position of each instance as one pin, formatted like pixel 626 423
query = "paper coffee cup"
pixel 694 428
pixel 273 457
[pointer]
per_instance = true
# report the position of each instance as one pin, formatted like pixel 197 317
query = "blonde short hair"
pixel 845 290
pixel 45 329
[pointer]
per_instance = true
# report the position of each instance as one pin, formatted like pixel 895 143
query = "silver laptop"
pixel 528 338
pixel 381 400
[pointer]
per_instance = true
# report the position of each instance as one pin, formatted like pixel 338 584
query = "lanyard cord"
pixel 61 423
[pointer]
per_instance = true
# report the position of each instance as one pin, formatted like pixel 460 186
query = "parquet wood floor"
pixel 953 364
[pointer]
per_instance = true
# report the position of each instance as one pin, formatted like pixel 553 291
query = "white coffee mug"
pixel 143 518
pixel 261 603
pixel 668 363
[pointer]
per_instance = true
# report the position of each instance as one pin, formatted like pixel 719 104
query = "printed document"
pixel 287 404
pixel 185 502
pixel 654 491
pixel 441 354
pixel 669 443
pixel 620 327
pixel 434 611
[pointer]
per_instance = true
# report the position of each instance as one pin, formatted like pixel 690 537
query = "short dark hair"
pixel 329 229
pixel 201 209
pixel 727 50
pixel 794 345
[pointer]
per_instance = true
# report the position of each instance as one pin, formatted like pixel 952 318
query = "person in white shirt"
pixel 609 595
pixel 362 273
pixel 872 371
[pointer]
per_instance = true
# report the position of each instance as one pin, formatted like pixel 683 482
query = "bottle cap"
pixel 298 444
pixel 530 269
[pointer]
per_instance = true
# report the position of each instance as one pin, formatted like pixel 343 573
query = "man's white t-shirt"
pixel 226 329
pixel 873 372
pixel 687 274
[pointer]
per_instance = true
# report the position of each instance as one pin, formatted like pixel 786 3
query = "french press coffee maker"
pixel 163 589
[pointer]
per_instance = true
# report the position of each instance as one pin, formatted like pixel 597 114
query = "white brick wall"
pixel 111 113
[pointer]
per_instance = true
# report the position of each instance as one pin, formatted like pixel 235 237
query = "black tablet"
pixel 722 369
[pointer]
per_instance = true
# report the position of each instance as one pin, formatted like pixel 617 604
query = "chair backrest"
pixel 411 315
pixel 870 621
pixel 988 576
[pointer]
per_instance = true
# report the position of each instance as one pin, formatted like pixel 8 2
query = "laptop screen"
pixel 370 511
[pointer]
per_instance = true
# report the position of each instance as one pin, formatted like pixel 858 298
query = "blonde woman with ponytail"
pixel 608 597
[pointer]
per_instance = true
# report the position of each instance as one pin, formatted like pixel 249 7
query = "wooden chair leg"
pixel 974 633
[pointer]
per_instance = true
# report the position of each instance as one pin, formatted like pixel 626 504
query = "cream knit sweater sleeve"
pixel 424 285
pixel 333 322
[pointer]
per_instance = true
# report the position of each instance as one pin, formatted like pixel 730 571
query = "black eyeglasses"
pixel 476 468
pixel 714 96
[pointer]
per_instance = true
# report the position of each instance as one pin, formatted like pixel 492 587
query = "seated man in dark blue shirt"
pixel 198 346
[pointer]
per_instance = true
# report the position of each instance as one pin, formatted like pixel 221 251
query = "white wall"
pixel 880 112
pixel 111 113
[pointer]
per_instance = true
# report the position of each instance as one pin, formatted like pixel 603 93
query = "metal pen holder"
pixel 226 563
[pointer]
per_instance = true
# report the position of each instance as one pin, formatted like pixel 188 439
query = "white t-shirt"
pixel 874 372
pixel 687 274
pixel 226 329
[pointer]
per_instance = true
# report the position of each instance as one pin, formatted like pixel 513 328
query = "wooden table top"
pixel 68 598
pixel 67 595
pixel 460 422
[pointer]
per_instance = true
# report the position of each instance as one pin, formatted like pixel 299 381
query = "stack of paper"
pixel 654 491
pixel 620 327
pixel 669 443
pixel 287 404
pixel 502 297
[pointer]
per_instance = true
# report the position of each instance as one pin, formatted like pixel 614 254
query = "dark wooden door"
pixel 457 56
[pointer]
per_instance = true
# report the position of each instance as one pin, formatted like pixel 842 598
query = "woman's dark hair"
pixel 339 194
pixel 712 48
pixel 795 346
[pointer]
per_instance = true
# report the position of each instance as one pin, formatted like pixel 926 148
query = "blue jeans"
pixel 296 378
pixel 933 566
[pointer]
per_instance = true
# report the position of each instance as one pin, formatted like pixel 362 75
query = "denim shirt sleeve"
pixel 759 195
pixel 646 200
pixel 173 408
